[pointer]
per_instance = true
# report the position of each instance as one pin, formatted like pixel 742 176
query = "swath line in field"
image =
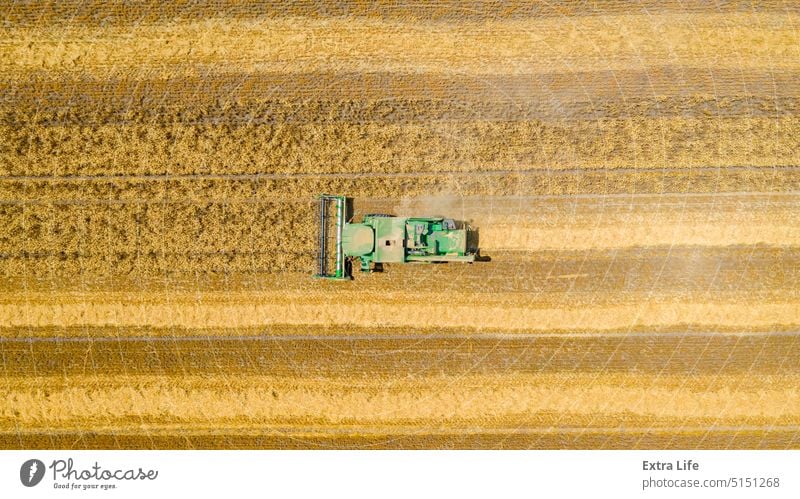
pixel 378 336
pixel 273 176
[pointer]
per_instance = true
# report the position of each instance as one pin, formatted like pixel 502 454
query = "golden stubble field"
pixel 632 168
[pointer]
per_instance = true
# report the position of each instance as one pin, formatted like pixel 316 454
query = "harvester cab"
pixel 380 239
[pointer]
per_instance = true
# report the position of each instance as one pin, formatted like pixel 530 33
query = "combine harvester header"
pixel 380 239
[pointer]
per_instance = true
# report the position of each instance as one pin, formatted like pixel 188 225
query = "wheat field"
pixel 633 169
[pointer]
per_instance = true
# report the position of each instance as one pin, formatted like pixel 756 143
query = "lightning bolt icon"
pixel 32 471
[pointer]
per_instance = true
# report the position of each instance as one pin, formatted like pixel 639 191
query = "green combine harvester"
pixel 380 239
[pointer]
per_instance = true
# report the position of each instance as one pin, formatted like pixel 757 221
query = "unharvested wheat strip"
pixel 609 186
pixel 539 400
pixel 472 146
pixel 744 40
pixel 429 312
pixel 408 110
pixel 236 97
pixel 122 12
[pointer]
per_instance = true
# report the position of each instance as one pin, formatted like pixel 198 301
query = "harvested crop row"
pixel 402 437
pixel 408 109
pixel 502 401
pixel 548 279
pixel 749 40
pixel 400 353
pixel 117 12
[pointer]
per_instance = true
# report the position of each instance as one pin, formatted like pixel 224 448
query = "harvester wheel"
pixel 348 267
